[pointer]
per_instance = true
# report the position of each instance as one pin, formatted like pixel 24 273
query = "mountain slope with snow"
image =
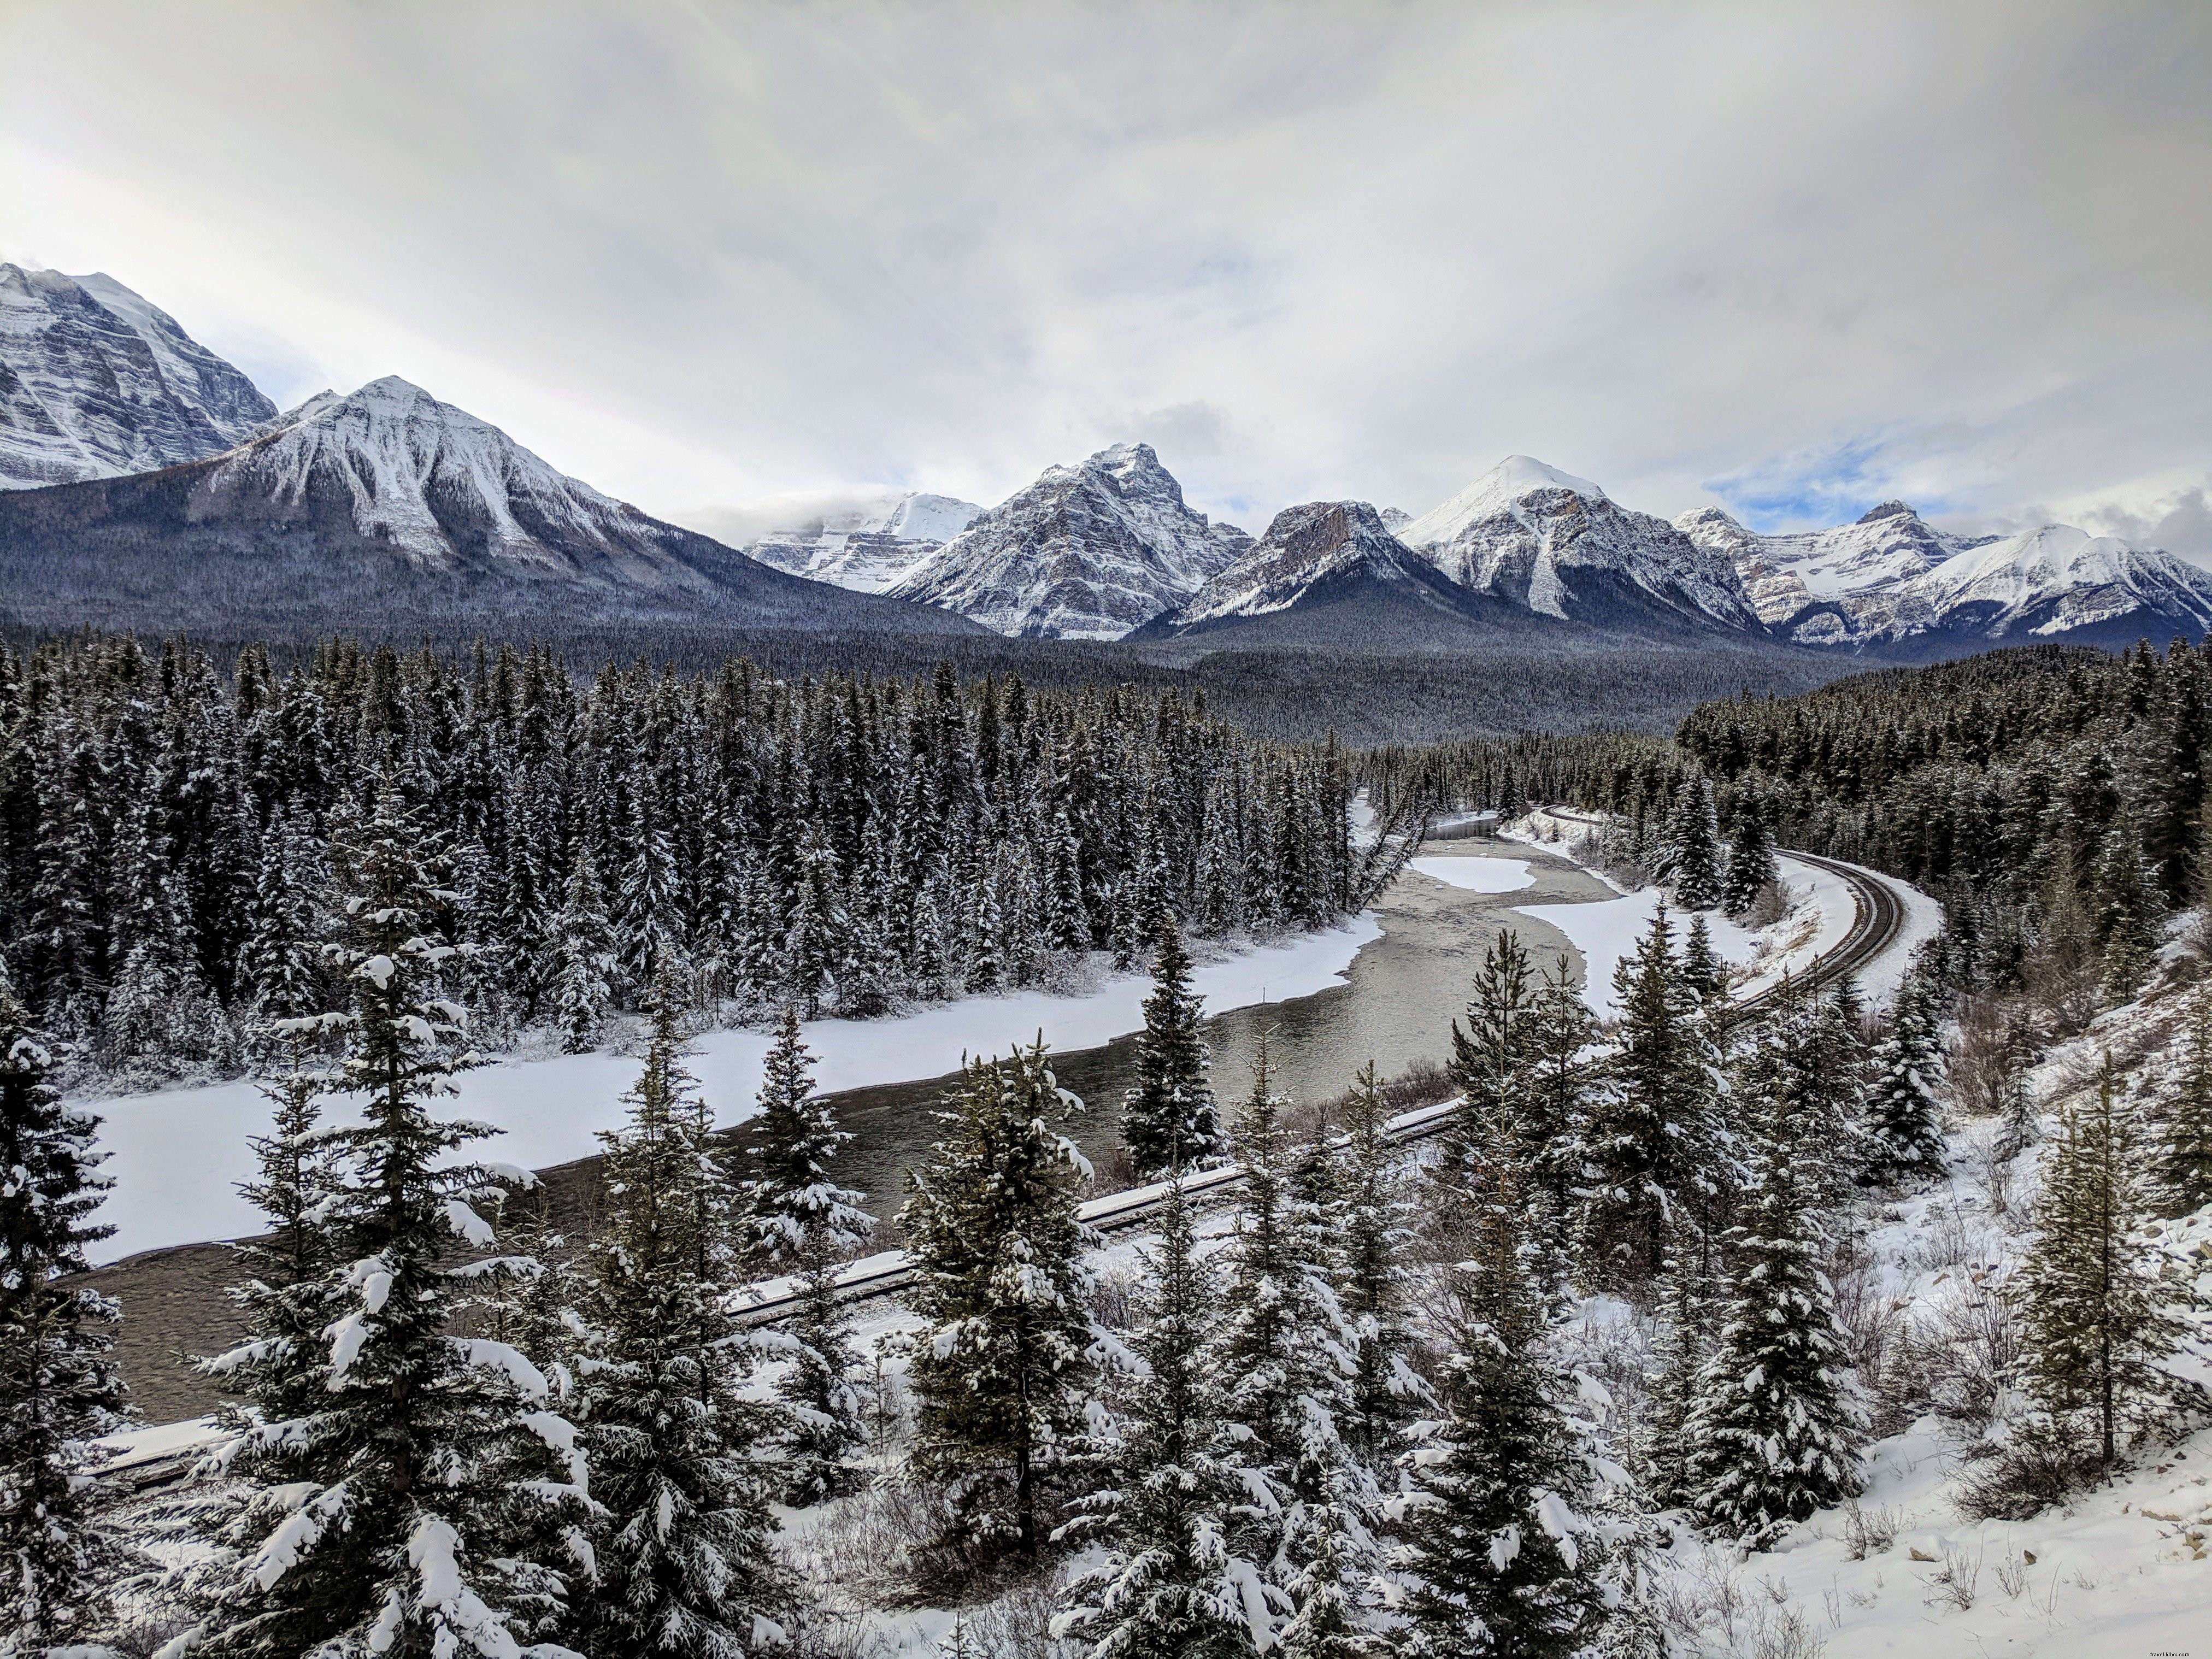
pixel 869 547
pixel 1891 579
pixel 1086 552
pixel 1557 545
pixel 382 503
pixel 97 382
pixel 1325 555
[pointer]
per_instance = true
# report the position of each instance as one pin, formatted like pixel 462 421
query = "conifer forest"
pixel 1641 1312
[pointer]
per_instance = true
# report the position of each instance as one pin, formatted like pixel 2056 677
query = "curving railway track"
pixel 1878 917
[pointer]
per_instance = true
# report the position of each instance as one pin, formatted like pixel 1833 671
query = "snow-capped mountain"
pixel 1086 552
pixel 1320 556
pixel 868 548
pixel 1891 579
pixel 1560 546
pixel 97 382
pixel 380 502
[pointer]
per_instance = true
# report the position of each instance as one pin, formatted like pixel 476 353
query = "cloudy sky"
pixel 715 258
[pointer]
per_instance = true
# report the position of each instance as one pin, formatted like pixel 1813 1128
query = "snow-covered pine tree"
pixel 1702 969
pixel 281 966
pixel 799 1220
pixel 59 1388
pixel 1652 1149
pixel 407 1509
pixel 1682 1348
pixel 584 949
pixel 1691 857
pixel 1905 1115
pixel 1170 1117
pixel 1751 865
pixel 1489 1068
pixel 2184 1176
pixel 2129 911
pixel 1377 1231
pixel 1503 1562
pixel 1557 1094
pixel 1776 1432
pixel 683 1562
pixel 1286 1352
pixel 1179 1487
pixel 1002 1373
pixel 2095 1325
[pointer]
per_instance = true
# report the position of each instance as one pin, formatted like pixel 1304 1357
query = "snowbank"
pixel 1607 931
pixel 1478 875
pixel 177 1156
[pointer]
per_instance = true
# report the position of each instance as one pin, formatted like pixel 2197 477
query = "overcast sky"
pixel 1791 259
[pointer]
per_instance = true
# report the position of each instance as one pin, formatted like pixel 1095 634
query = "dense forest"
pixel 169 834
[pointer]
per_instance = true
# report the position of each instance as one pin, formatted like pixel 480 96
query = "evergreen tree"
pixel 1750 866
pixel 1905 1130
pixel 2127 922
pixel 2095 1326
pixel 1776 1432
pixel 1170 1117
pixel 281 966
pixel 1556 1100
pixel 59 1388
pixel 406 1509
pixel 1668 1475
pixel 1375 1232
pixel 1179 1488
pixel 583 984
pixel 1003 1370
pixel 2185 1154
pixel 680 1545
pixel 1702 970
pixel 1652 1149
pixel 1328 1623
pixel 1691 857
pixel 1502 1562
pixel 800 1221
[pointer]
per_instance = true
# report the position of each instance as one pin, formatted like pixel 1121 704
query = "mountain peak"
pixel 1889 509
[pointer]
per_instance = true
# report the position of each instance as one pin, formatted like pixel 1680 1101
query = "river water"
pixel 1400 995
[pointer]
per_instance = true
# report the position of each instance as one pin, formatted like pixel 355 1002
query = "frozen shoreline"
pixel 177 1155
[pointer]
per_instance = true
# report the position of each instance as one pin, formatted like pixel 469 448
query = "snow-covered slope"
pixel 1891 578
pixel 1086 552
pixel 1558 545
pixel 387 500
pixel 870 547
pixel 1323 553
pixel 96 382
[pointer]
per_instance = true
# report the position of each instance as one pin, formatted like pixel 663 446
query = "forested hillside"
pixel 169 835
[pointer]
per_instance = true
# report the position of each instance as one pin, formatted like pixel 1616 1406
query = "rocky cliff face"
pixel 95 382
pixel 1086 552
pixel 1557 545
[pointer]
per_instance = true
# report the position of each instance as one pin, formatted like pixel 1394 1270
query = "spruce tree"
pixel 2129 912
pixel 1177 1485
pixel 2184 1176
pixel 683 1562
pixel 1652 1149
pixel 1501 1561
pixel 281 964
pixel 59 1388
pixel 1377 1234
pixel 2095 1325
pixel 1702 969
pixel 1489 1063
pixel 1904 1126
pixel 1751 865
pixel 1682 1298
pixel 799 1220
pixel 586 966
pixel 1170 1117
pixel 1556 1100
pixel 410 1507
pixel 1691 858
pixel 1778 1424
pixel 1002 1371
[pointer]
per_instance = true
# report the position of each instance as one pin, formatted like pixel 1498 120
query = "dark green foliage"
pixel 59 1389
pixel 1002 1371
pixel 2096 1325
pixel 1377 1231
pixel 1169 1119
pixel 1751 864
pixel 2184 1176
pixel 1691 853
pixel 1905 1130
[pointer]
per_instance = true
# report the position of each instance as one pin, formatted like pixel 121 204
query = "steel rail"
pixel 1878 917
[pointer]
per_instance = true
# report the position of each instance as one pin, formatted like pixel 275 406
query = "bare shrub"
pixel 1871 1532
pixel 2046 1463
pixel 1017 1624
pixel 1966 1345
pixel 1112 1298
pixel 1996 1042
pixel 1958 1580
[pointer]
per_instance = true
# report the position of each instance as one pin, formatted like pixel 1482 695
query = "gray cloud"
pixel 1790 258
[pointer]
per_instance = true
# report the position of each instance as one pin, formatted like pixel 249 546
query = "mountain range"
pixel 145 483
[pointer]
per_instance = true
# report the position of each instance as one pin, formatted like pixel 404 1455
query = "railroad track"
pixel 1878 916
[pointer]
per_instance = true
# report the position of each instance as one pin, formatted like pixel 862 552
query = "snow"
pixel 1494 492
pixel 1478 875
pixel 177 1155
pixel 1607 931
pixel 136 1446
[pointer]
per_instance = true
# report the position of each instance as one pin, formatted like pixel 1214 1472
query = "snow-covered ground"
pixel 1607 931
pixel 1478 875
pixel 177 1155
